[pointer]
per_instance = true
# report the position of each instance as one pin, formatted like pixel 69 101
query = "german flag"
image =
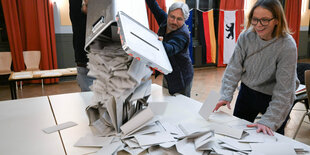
pixel 207 36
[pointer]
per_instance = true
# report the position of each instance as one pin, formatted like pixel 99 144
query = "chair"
pixel 32 61
pixel 307 113
pixel 5 63
pixel 301 69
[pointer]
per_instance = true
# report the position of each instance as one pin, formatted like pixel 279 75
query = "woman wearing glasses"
pixel 264 60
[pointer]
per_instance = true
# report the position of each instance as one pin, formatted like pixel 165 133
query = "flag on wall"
pixel 189 23
pixel 208 23
pixel 207 36
pixel 227 35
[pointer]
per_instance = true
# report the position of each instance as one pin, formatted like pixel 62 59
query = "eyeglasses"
pixel 263 21
pixel 179 19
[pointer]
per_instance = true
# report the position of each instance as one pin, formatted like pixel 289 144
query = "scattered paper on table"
pixel 137 121
pixel 273 148
pixel 111 148
pixel 228 131
pixel 93 141
pixel 153 139
pixel 59 127
pixel 187 146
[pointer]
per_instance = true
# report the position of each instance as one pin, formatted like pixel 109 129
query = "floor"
pixel 205 80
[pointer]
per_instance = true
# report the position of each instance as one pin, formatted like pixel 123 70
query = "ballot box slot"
pixel 97 24
pixel 144 41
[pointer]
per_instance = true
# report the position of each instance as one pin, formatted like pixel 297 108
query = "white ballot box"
pixel 125 21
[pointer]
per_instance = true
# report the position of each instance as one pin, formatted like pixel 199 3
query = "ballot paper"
pixel 192 130
pixel 203 140
pixel 234 144
pixel 138 70
pixel 228 131
pixel 222 117
pixel 187 146
pixel 110 148
pixel 142 43
pixel 144 118
pixel 138 121
pixel 137 150
pixel 132 143
pixel 168 144
pixel 59 127
pixel 93 141
pixel 272 148
pixel 155 150
pixel 172 129
pixel 151 128
pixel 209 104
pixel 142 90
pixel 154 138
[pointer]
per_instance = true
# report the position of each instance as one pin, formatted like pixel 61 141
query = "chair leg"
pixel 21 85
pixel 42 83
pixel 303 117
pixel 16 85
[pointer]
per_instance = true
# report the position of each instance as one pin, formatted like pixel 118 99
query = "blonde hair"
pixel 275 7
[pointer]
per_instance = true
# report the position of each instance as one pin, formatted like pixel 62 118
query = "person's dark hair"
pixel 275 7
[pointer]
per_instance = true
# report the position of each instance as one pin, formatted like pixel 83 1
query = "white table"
pixel 21 124
pixel 71 107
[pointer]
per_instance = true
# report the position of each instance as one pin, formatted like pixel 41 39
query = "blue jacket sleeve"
pixel 159 14
pixel 176 44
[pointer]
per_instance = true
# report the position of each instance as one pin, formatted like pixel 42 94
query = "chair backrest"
pixel 5 63
pixel 307 83
pixel 301 68
pixel 32 60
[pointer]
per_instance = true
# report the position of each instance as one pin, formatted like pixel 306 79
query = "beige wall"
pixel 63 8
pixel 305 14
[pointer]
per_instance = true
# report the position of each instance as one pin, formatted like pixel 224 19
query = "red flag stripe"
pixel 221 40
pixel 207 36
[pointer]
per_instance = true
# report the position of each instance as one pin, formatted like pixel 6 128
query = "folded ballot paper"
pixel 145 117
pixel 223 129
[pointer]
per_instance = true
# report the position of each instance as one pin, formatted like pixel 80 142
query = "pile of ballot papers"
pixel 120 60
pixel 121 88
pixel 148 132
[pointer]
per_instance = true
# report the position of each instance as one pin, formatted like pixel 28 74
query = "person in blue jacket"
pixel 175 36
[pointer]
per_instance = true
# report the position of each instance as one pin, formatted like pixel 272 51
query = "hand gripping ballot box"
pixel 121 49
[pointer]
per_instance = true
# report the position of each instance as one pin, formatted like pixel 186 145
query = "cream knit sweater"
pixel 271 71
